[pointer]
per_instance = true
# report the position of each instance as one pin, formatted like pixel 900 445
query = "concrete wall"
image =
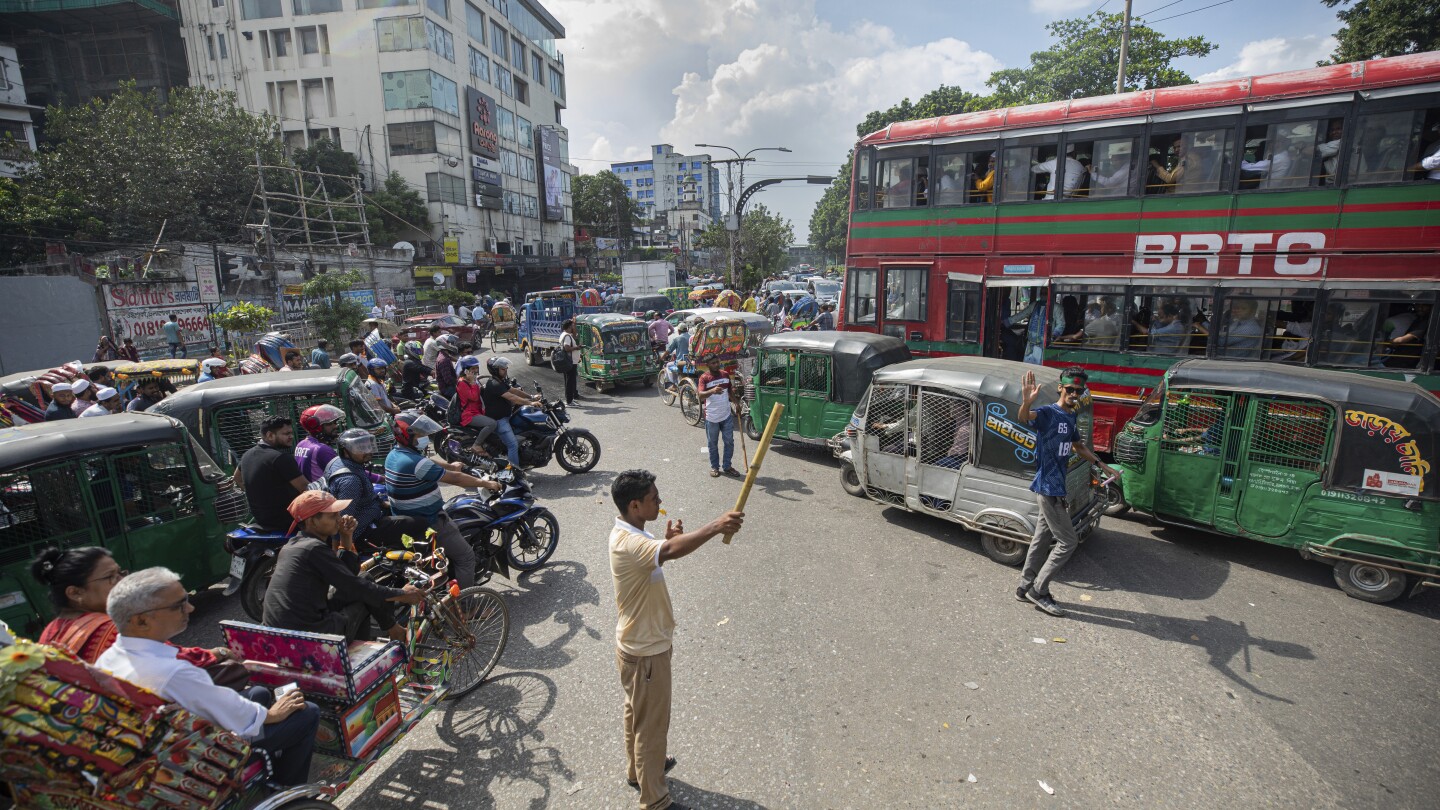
pixel 48 320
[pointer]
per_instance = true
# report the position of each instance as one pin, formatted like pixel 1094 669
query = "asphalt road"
pixel 841 654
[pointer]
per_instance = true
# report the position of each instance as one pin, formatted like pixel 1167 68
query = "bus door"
pixel 1009 305
pixel 943 450
pixel 1190 476
pixel 1283 459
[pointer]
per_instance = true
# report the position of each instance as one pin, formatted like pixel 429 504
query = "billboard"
pixel 547 148
pixel 484 138
pixel 140 310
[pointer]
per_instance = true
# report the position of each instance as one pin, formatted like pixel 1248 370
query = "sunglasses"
pixel 1074 390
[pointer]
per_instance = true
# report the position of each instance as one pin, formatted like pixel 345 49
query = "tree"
pixel 764 236
pixel 396 211
pixel 1375 28
pixel 943 100
pixel 136 160
pixel 603 208
pixel 1084 62
pixel 830 223
pixel 242 316
pixel 333 314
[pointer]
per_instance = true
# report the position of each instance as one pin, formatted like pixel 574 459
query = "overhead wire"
pixel 1192 11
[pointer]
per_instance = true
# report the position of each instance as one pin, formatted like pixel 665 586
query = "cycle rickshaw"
pixel 504 326
pixel 729 337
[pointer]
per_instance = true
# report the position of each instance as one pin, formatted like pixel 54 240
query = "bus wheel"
pixel 1369 583
pixel 850 480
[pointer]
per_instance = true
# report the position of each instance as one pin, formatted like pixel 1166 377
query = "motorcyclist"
pixel 376 384
pixel 445 372
pixel 348 478
pixel 322 423
pixel 501 396
pixel 414 374
pixel 677 352
pixel 413 481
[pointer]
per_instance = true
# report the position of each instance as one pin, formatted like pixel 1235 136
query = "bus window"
pixel 1279 155
pixel 1365 330
pixel 1189 162
pixel 953 174
pixel 1103 315
pixel 905 293
pixel 862 180
pixel 962 313
pixel 902 182
pixel 860 297
pixel 1268 324
pixel 1028 170
pixel 1162 321
pixel 1393 146
pixel 965 177
pixel 1111 166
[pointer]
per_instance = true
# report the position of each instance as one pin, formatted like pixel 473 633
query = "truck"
pixel 642 278
pixel 540 320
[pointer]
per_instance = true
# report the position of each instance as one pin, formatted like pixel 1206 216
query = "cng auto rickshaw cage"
pixel 820 376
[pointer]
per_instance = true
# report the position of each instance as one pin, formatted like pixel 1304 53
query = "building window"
pixel 517 54
pixel 522 91
pixel 261 9
pixel 316 6
pixel 479 65
pixel 537 67
pixel 445 188
pixel 499 41
pixel 419 89
pixel 627 184
pixel 508 163
pixel 440 41
pixel 505 122
pixel 504 81
pixel 282 42
pixel 441 7
pixel 401 33
pixel 309 40
pixel 525 131
pixel 220 40
pixel 475 23
pixel 422 138
pixel 510 202
pixel 557 85
pixel 527 168
pixel 210 45
pixel 363 4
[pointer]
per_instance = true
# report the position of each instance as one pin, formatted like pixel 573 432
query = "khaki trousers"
pixel 646 680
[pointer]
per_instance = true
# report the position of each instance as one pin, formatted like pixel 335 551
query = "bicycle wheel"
pixel 474 647
pixel 667 391
pixel 690 406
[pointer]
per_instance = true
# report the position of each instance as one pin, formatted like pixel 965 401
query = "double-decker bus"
pixel 1286 218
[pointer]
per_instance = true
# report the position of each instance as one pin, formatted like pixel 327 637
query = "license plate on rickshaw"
pixel 237 566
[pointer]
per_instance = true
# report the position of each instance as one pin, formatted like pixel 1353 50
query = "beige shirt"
pixel 647 624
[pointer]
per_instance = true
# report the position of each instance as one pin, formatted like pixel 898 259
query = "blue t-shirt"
pixel 413 482
pixel 1055 431
pixel 172 331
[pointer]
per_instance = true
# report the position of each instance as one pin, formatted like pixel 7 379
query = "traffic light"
pixel 228 266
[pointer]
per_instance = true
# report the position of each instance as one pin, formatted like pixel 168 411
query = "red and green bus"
pixel 1286 218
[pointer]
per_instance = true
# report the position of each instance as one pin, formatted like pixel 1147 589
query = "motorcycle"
pixel 542 432
pixel 506 529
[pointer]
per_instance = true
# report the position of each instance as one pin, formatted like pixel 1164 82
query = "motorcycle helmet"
pixel 468 362
pixel 377 365
pixel 348 360
pixel 411 425
pixel 651 315
pixel 449 343
pixel 357 442
pixel 495 363
pixel 414 349
pixel 316 417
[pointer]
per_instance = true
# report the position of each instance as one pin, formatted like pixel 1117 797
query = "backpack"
pixel 452 411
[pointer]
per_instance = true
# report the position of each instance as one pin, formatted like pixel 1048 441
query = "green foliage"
pixel 326 157
pixel 456 297
pixel 943 100
pixel 764 237
pixel 1084 61
pixel 334 316
pixel 830 223
pixel 603 209
pixel 243 316
pixel 1375 28
pixel 396 212
pixel 127 163
pixel 28 219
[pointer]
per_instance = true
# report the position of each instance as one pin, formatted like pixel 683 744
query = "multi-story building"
pixel 462 98
pixel 17 127
pixel 76 50
pixel 666 180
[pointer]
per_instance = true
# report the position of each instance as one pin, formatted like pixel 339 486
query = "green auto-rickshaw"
pixel 615 349
pixel 1335 464
pixel 818 377
pixel 135 483
pixel 225 414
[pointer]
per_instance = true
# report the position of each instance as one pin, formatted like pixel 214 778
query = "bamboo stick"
pixel 754 472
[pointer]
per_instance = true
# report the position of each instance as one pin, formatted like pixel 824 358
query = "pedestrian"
pixel 570 365
pixel 389 311
pixel 84 395
pixel 376 311
pixel 826 321
pixel 645 632
pixel 319 358
pixel 105 350
pixel 128 351
pixel 715 391
pixel 62 398
pixel 430 350
pixel 1057 436
pixel 171 328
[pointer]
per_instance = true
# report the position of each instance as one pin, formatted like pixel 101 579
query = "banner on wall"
pixel 140 310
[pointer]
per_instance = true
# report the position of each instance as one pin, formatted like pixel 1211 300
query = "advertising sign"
pixel 547 148
pixel 452 251
pixel 208 284
pixel 486 176
pixel 139 310
pixel 484 137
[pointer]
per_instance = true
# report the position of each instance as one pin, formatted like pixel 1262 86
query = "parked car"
pixel 417 327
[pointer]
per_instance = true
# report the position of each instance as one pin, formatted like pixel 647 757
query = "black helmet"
pixel 495 363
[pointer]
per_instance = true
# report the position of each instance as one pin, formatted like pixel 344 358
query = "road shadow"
pixel 1221 639
pixel 546 598
pixel 494 740
pixel 560 484
pixel 778 487
pixel 691 796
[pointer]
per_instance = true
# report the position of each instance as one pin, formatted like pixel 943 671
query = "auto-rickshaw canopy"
pixel 38 443
pixel 1384 426
pixel 856 356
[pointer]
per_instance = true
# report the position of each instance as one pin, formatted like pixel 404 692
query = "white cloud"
pixel 1275 55
pixel 745 73
pixel 1056 7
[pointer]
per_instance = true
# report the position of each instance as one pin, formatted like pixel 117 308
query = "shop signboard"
pixel 140 310
pixel 547 149
pixel 484 137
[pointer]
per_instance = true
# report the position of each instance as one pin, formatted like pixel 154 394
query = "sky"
pixel 802 73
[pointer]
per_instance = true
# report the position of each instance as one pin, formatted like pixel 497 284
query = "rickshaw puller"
pixel 1057 435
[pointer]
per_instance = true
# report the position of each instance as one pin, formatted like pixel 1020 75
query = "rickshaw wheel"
pixel 690 406
pixel 252 593
pixel 1002 549
pixel 667 395
pixel 850 480
pixel 1369 583
pixel 308 804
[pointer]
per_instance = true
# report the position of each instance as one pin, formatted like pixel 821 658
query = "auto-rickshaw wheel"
pixel 1115 503
pixel 690 406
pixel 1369 583
pixel 850 480
pixel 648 381
pixel 307 804
pixel 747 423
pixel 1002 549
pixel 252 592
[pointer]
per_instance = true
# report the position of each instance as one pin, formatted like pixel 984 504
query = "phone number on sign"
pixel 152 327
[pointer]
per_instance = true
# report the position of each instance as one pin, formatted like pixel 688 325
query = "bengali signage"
pixel 484 137
pixel 208 284
pixel 140 310
pixel 452 251
pixel 547 149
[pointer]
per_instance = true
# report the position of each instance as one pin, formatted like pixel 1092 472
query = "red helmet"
pixel 316 417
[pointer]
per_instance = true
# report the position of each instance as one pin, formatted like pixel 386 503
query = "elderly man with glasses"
pixel 150 607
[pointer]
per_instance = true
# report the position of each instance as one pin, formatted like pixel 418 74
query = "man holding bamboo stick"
pixel 646 626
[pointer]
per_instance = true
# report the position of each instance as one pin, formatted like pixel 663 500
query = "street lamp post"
pixel 733 223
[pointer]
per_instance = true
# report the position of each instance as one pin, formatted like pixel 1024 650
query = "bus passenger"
pixel 1430 163
pixel 985 186
pixel 1104 331
pixel 1074 173
pixel 1240 336
pixel 1406 346
pixel 1329 151
pixel 1112 177
pixel 1273 171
